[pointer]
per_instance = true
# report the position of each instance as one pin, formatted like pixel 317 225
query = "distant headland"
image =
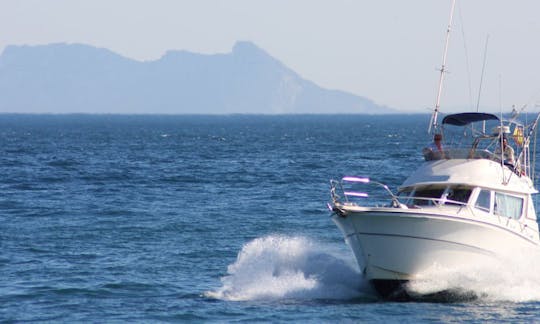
pixel 77 78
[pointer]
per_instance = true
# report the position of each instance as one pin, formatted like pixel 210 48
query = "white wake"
pixel 514 278
pixel 283 267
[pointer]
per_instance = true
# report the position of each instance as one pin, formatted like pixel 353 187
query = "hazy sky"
pixel 387 50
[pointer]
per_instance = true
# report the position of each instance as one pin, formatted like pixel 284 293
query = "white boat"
pixel 464 205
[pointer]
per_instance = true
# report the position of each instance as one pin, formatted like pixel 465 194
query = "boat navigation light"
pixel 356 179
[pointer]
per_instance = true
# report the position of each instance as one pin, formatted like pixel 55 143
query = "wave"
pixel 283 267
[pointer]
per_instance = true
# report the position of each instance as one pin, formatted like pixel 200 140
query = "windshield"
pixel 436 194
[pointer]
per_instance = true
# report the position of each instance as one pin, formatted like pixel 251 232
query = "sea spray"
pixel 513 278
pixel 284 267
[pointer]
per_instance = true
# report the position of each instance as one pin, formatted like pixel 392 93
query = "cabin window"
pixel 483 201
pixel 426 196
pixel 405 195
pixel 508 206
pixel 457 196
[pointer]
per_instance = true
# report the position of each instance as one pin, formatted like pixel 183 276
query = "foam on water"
pixel 512 278
pixel 282 267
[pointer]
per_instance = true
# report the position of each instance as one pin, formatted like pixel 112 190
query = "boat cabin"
pixel 493 202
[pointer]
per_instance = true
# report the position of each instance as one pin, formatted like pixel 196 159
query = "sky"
pixel 386 50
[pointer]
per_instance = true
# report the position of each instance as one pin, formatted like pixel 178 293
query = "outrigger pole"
pixel 433 124
pixel 532 130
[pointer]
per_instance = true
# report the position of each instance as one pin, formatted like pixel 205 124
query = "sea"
pixel 156 218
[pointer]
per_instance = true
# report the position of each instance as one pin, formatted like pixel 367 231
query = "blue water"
pixel 209 218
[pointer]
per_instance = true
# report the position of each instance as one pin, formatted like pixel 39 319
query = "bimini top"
pixel 463 119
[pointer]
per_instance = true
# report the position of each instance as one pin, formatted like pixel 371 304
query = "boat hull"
pixel 393 246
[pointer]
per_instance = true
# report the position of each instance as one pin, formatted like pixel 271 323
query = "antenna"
pixel 462 24
pixel 433 124
pixel 482 75
pixel 533 127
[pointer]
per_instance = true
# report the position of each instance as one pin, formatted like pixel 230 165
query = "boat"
pixel 468 203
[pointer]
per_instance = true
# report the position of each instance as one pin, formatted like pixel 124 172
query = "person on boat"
pixel 507 151
pixel 435 150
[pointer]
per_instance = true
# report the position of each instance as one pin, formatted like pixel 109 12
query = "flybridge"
pixel 468 141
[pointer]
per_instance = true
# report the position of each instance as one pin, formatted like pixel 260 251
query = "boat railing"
pixel 468 154
pixel 461 153
pixel 362 191
pixel 419 202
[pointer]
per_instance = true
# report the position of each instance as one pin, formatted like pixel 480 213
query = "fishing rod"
pixel 433 123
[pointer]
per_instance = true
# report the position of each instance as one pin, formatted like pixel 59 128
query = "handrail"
pixel 338 185
pixel 439 201
pixel 411 201
pixel 461 153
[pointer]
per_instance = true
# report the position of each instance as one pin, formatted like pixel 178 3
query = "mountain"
pixel 75 78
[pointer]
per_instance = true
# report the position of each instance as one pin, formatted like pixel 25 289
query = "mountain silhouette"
pixel 76 78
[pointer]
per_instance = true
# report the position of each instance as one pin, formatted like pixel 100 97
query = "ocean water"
pixel 211 219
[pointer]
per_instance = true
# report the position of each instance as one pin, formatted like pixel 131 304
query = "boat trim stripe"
pixel 423 238
pixel 428 215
